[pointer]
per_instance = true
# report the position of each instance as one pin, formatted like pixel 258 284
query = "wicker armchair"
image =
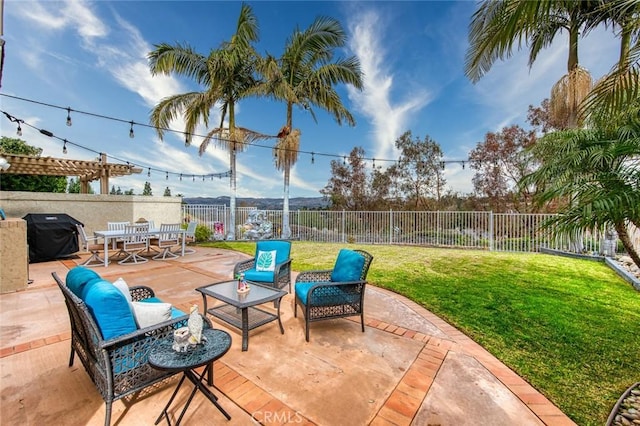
pixel 327 294
pixel 119 366
pixel 281 275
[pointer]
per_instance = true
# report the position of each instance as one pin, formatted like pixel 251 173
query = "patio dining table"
pixel 120 233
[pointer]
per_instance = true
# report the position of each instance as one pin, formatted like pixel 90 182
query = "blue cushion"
pixel 283 249
pixel 259 276
pixel 175 312
pixel 110 309
pixel 335 295
pixel 348 266
pixel 78 278
pixel 302 289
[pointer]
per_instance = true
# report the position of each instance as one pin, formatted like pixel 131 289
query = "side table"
pixel 163 357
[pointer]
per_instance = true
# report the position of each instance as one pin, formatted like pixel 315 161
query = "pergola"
pixel 86 171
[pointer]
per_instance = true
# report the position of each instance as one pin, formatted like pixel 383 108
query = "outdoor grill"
pixel 51 236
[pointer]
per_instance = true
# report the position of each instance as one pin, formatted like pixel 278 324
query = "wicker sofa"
pixel 118 365
pixel 334 293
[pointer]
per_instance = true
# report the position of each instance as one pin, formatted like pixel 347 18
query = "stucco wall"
pixel 94 211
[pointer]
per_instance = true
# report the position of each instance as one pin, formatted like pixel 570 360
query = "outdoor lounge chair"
pixel 334 293
pixel 270 266
pixel 113 350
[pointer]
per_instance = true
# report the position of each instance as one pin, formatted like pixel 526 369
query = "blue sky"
pixel 91 56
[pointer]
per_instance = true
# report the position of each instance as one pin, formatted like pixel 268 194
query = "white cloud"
pixel 375 102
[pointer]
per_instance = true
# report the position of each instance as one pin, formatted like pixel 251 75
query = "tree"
pixel 542 120
pixel 497 25
pixel 419 170
pixel 352 188
pixel 347 186
pixel 147 189
pixel 129 192
pixel 305 75
pixel 29 183
pixel 167 192
pixel 115 191
pixel 228 76
pixel 599 170
pixel 618 92
pixel 500 163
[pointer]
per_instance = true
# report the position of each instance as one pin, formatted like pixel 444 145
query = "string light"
pixel 64 147
pixel 180 177
pixel 149 172
pixel 194 177
pixel 373 163
pixel 203 178
pixel 188 136
pixel 167 176
pixel 344 161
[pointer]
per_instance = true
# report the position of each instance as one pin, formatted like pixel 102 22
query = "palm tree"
pixel 305 75
pixel 599 169
pixel 228 75
pixel 619 90
pixel 498 25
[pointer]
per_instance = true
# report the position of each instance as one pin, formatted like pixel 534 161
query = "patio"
pixel 409 367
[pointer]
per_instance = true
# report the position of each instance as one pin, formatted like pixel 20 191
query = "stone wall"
pixel 94 211
pixel 14 271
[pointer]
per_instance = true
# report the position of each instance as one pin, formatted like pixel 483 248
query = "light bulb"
pixel 19 131
pixel 69 117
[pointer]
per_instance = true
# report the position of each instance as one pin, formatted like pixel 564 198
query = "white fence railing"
pixel 477 230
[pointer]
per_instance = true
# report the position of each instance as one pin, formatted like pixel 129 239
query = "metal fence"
pixel 512 232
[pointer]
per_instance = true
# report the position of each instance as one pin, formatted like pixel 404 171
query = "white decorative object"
pixel 195 324
pixel 181 339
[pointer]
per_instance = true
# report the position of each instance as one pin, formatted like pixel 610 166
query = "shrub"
pixel 203 233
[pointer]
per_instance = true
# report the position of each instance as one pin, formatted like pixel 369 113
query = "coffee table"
pixel 163 357
pixel 239 310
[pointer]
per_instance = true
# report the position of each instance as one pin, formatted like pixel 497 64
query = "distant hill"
pixel 296 203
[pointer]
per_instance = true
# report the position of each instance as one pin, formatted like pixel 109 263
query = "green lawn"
pixel 569 327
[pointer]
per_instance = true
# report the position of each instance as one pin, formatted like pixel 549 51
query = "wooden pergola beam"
pixel 86 171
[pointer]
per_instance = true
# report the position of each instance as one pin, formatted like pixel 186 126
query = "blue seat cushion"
pixel 175 312
pixel 78 278
pixel 259 276
pixel 348 266
pixel 110 309
pixel 282 248
pixel 326 296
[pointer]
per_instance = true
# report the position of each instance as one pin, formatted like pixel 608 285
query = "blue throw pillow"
pixel 78 278
pixel 110 309
pixel 283 249
pixel 348 266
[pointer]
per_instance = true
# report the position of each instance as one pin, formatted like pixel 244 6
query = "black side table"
pixel 163 357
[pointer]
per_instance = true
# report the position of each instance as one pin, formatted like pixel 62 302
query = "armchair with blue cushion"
pixel 270 266
pixel 334 293
pixel 110 340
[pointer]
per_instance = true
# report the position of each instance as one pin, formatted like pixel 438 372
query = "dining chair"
pixel 90 244
pixel 135 240
pixel 116 226
pixel 168 237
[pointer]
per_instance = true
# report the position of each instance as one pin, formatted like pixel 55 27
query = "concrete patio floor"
pixel 409 367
